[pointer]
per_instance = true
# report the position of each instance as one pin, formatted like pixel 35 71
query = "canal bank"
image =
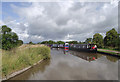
pixel 20 71
pixel 101 51
pixel 109 52
pixel 73 65
pixel 21 59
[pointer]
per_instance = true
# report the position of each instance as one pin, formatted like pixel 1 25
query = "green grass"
pixel 108 52
pixel 17 59
pixel 109 49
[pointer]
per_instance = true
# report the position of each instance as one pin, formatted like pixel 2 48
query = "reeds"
pixel 17 58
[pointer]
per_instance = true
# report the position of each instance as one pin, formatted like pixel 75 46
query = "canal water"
pixel 73 65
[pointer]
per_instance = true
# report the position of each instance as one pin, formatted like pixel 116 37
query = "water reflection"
pixel 73 65
pixel 86 56
pixel 112 59
pixel 91 56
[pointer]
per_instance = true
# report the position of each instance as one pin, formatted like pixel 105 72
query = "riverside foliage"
pixel 21 57
pixel 9 39
pixel 110 41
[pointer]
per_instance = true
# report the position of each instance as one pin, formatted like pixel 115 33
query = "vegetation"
pixel 48 42
pixel 109 48
pixel 60 42
pixel 111 39
pixel 88 40
pixel 30 42
pixel 19 58
pixel 14 57
pixel 19 42
pixel 51 42
pixel 73 42
pixel 108 52
pixel 98 40
pixel 9 39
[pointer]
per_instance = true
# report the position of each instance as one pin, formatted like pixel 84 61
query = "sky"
pixel 66 21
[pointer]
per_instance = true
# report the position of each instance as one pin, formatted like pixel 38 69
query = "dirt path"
pixel 109 50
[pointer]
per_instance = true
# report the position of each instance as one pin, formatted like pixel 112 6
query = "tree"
pixel 39 43
pixel 73 42
pixel 48 42
pixel 30 42
pixel 51 42
pixel 60 42
pixel 0 40
pixel 112 38
pixel 44 42
pixel 80 42
pixel 9 39
pixel 119 42
pixel 88 41
pixel 5 29
pixel 98 40
pixel 19 42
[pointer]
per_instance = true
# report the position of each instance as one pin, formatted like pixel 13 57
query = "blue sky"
pixel 8 11
pixel 38 21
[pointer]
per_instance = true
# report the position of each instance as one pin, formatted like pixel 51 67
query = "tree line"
pixel 111 40
pixel 8 39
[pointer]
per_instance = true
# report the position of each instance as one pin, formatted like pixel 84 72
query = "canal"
pixel 73 65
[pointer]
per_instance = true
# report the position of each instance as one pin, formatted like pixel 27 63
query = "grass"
pixel 17 59
pixel 109 49
pixel 108 52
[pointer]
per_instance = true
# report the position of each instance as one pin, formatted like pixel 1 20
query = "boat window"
pixel 83 46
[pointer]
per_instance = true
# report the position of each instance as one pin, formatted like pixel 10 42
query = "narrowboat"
pixel 84 47
pixel 55 46
pixel 61 45
pixel 66 46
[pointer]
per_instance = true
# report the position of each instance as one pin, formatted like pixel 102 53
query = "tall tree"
pixel 5 29
pixel 9 39
pixel 112 38
pixel 88 40
pixel 98 40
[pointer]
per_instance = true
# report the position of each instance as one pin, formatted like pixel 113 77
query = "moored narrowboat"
pixel 84 47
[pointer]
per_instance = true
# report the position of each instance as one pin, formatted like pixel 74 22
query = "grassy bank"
pixel 20 58
pixel 115 49
pixel 114 53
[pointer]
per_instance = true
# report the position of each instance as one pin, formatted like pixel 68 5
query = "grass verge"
pixel 109 49
pixel 109 52
pixel 18 59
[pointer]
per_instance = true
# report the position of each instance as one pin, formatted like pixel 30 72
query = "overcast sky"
pixel 38 21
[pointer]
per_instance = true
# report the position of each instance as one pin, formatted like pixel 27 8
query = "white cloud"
pixel 64 21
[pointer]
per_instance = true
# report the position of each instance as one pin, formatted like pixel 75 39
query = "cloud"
pixel 64 20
